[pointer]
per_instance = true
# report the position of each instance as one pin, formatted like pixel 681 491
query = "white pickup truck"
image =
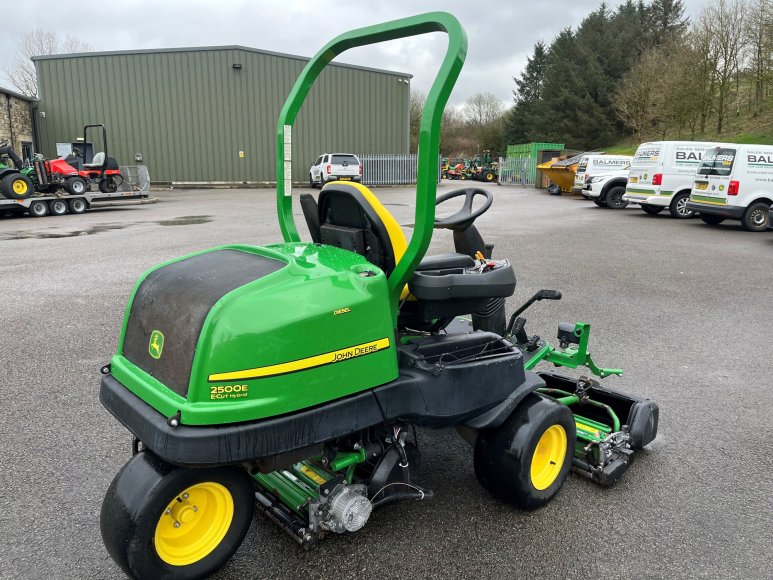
pixel 607 189
pixel 335 166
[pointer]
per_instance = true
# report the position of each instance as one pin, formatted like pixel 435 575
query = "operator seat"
pixel 350 216
pixel 97 162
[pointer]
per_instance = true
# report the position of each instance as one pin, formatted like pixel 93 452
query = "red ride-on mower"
pixel 103 169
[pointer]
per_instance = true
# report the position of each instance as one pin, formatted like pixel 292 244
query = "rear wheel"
pixel 678 207
pixel 614 198
pixel 75 185
pixel 162 521
pixel 57 207
pixel 16 186
pixel 490 176
pixel 711 219
pixel 756 217
pixel 77 205
pixel 652 209
pixel 38 209
pixel 525 461
pixel 108 185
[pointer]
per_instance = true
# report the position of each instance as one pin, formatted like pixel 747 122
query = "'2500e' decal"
pixel 229 392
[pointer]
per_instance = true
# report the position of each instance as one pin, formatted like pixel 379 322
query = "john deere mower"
pixel 291 377
pixel 15 179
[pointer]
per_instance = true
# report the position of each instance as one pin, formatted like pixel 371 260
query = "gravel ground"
pixel 683 307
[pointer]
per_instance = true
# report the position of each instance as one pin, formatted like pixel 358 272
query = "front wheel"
pixel 75 185
pixel 678 207
pixel 756 217
pixel 652 209
pixel 711 219
pixel 526 460
pixel 614 198
pixel 16 186
pixel 162 521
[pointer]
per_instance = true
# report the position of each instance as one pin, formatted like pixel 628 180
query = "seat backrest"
pixel 352 217
pixel 99 159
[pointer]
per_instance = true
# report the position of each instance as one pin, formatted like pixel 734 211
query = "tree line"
pixel 646 71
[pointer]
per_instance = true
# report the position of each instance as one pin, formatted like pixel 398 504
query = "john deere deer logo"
pixel 156 344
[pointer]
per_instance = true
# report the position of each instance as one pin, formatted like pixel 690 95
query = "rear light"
pixel 657 179
pixel 359 169
pixel 732 189
pixel 329 170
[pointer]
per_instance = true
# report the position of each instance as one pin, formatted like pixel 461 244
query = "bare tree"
pixel 417 106
pixel 638 100
pixel 482 108
pixel 760 49
pixel 21 72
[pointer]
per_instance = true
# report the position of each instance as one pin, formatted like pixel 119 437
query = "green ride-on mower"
pixel 291 377
pixel 16 180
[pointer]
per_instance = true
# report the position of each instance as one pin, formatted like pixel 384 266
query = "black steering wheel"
pixel 463 219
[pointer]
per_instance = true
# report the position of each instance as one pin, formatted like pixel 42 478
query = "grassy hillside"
pixel 741 127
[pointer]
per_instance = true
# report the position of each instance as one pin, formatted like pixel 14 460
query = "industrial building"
pixel 16 121
pixel 208 115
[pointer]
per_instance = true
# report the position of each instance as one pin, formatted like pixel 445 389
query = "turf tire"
pixel 136 500
pixel 75 185
pixel 503 456
pixel 16 186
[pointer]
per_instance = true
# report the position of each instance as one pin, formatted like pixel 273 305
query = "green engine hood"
pixel 239 333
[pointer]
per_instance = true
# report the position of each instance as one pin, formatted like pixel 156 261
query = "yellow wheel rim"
pixel 19 187
pixel 194 523
pixel 548 457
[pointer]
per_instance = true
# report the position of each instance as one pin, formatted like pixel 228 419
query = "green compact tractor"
pixel 16 180
pixel 291 377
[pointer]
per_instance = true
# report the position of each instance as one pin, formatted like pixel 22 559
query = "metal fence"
pixel 517 170
pixel 399 169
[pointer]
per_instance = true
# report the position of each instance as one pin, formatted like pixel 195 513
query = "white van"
pixel 595 164
pixel 661 175
pixel 735 182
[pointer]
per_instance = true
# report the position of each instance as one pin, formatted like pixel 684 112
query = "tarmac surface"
pixel 683 307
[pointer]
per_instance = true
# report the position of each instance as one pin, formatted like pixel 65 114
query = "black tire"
pixel 504 456
pixel 108 185
pixel 652 209
pixel 57 207
pixel 598 202
pixel 312 185
pixel 75 185
pixel 77 205
pixel 614 197
pixel 756 217
pixel 490 176
pixel 711 219
pixel 136 505
pixel 38 208
pixel 16 186
pixel 678 207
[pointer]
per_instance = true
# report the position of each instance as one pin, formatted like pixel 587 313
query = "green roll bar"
pixel 429 131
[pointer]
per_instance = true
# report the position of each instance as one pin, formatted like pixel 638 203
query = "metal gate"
pixel 386 169
pixel 517 170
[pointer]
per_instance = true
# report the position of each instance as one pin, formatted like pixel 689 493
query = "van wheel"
pixel 652 209
pixel 614 198
pixel 756 217
pixel 712 219
pixel 678 206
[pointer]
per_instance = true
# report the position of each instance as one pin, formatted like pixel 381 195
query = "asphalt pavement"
pixel 683 307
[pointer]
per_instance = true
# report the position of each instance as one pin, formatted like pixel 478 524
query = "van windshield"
pixel 717 161
pixel 345 160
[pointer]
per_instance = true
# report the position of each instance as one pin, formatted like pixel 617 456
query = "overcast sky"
pixel 500 34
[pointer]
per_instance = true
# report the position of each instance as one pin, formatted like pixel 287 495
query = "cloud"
pixel 500 34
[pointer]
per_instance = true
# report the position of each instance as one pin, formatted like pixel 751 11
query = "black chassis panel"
pixel 479 393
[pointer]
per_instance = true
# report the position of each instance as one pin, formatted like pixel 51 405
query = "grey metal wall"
pixel 189 112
